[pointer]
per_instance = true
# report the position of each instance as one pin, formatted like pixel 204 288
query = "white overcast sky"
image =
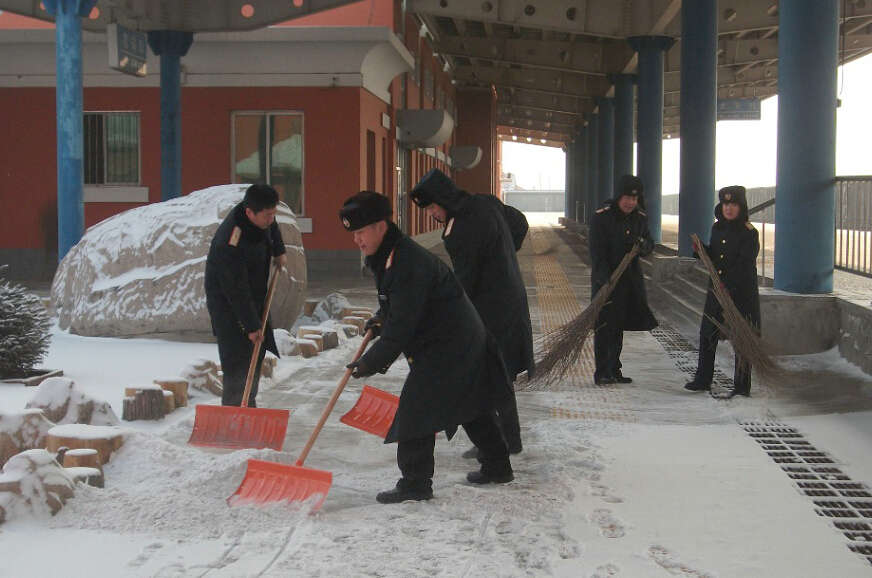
pixel 745 149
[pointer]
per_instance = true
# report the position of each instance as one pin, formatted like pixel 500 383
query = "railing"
pixel 853 243
pixel 756 209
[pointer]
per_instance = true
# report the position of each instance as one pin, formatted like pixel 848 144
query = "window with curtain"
pixel 110 148
pixel 268 148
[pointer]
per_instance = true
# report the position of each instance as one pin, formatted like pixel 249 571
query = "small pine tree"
pixel 24 330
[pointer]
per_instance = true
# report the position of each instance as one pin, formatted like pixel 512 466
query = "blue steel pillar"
pixel 624 102
pixel 593 161
pixel 170 45
pixel 567 187
pixel 806 163
pixel 606 152
pixel 68 100
pixel 699 98
pixel 579 199
pixel 649 135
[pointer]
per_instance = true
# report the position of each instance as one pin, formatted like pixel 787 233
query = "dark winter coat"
pixel 611 236
pixel 733 249
pixel 237 276
pixel 481 236
pixel 455 370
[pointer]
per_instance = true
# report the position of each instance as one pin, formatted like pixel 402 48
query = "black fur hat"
pixel 630 186
pixel 734 194
pixel 364 208
pixel 430 187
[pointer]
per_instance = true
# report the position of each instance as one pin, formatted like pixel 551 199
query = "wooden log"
pixel 104 439
pixel 331 339
pixel 309 307
pixel 131 391
pixel 365 313
pixel 308 348
pixel 354 320
pixel 169 401
pixel 179 387
pixel 82 458
pixel 349 330
pixel 91 476
pixel 145 404
pixel 312 335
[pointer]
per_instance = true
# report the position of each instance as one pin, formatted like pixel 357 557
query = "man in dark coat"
pixel 237 274
pixel 481 236
pixel 614 229
pixel 733 249
pixel 456 375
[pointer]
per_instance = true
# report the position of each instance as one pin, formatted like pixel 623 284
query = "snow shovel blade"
pixel 271 482
pixel 227 426
pixel 373 412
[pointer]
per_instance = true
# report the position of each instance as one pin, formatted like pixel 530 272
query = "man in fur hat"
pixel 237 271
pixel 456 376
pixel 614 229
pixel 733 249
pixel 481 236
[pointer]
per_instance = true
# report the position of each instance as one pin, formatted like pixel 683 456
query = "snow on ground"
pixel 634 480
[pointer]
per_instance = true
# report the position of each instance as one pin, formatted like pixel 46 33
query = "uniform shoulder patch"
pixel 390 260
pixel 234 237
pixel 750 226
pixel 448 227
pixel 643 213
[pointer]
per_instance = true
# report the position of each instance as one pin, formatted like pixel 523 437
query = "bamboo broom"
pixel 563 346
pixel 747 343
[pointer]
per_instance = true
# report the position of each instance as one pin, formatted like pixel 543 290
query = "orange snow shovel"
pixel 228 426
pixel 272 482
pixel 373 412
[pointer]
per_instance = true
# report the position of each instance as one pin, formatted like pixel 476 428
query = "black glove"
pixel 373 324
pixel 359 369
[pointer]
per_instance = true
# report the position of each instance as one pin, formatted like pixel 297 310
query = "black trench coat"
pixel 611 236
pixel 733 250
pixel 455 370
pixel 482 236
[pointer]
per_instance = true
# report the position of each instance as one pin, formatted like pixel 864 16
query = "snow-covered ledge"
pixel 365 56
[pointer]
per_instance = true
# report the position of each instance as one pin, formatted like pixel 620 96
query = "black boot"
pixel 407 490
pixel 696 386
pixel 491 475
pixel 621 378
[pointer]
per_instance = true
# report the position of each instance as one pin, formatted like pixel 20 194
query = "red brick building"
pixel 320 107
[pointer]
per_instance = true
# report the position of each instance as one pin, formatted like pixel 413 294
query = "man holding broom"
pixel 614 230
pixel 456 376
pixel 481 236
pixel 237 274
pixel 733 249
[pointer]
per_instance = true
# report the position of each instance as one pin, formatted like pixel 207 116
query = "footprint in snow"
pixel 603 492
pixel 610 527
pixel 605 571
pixel 145 555
pixel 667 560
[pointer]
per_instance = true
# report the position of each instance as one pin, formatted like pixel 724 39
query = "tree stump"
pixel 312 335
pixel 354 320
pixel 91 476
pixel 169 401
pixel 308 348
pixel 104 439
pixel 82 458
pixel 144 404
pixel 177 385
pixel 309 307
pixel 349 330
pixel 356 311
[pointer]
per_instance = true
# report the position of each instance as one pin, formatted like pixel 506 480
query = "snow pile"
pixel 33 484
pixel 141 271
pixel 63 403
pixel 22 431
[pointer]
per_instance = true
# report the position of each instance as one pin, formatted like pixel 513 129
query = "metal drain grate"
pixel 685 355
pixel 833 492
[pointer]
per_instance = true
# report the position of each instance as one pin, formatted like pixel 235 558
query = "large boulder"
pixel 62 402
pixel 141 271
pixel 33 484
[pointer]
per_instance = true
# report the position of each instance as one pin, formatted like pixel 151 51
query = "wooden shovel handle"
pixel 249 379
pixel 332 402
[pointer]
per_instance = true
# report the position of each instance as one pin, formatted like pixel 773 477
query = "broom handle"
pixel 332 402
pixel 249 379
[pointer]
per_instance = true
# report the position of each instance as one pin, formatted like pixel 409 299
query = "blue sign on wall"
pixel 128 49
pixel 746 108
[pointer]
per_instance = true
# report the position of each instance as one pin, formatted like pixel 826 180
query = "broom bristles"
pixel 747 343
pixel 562 347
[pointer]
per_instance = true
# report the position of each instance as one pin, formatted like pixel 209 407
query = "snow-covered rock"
pixel 63 403
pixel 141 271
pixel 285 343
pixel 20 431
pixel 33 484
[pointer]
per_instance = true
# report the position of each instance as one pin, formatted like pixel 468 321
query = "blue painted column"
pixel 624 101
pixel 806 162
pixel 593 161
pixel 649 155
pixel 68 102
pixel 699 100
pixel 606 152
pixel 170 45
pixel 579 198
pixel 567 187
